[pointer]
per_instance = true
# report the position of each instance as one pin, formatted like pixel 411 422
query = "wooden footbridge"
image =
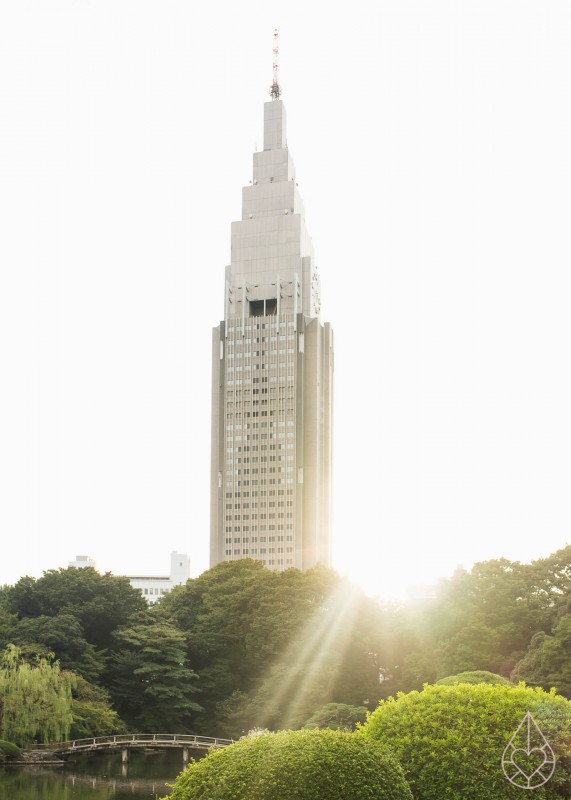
pixel 130 741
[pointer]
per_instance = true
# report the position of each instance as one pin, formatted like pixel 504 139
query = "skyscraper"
pixel 272 377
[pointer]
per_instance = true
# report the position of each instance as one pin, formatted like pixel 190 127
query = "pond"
pixel 94 777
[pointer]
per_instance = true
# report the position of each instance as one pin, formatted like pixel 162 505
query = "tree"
pixel 550 582
pixel 337 716
pixel 92 712
pixel 153 686
pixel 548 659
pixel 484 619
pixel 300 765
pixel 35 701
pixel 450 739
pixel 289 641
pixel 61 635
pixel 475 647
pixel 101 603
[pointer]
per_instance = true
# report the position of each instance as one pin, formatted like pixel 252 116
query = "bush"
pixel 450 739
pixel 297 765
pixel 478 676
pixel 8 750
pixel 337 716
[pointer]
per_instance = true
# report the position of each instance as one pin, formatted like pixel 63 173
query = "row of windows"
pixel 237 437
pixel 254 448
pixel 289 383
pixel 254 517
pixel 248 367
pixel 254 414
pixel 258 470
pixel 258 492
pixel 256 326
pixel 254 437
pixel 289 492
pixel 271 504
pixel 259 481
pixel 248 381
pixel 234 433
pixel 258 339
pixel 257 459
pixel 257 528
pixel 235 422
pixel 281 351
pixel 247 448
pixel 274 563
pixel 254 551
pixel 243 396
pixel 244 472
pixel 249 404
pixel 254 539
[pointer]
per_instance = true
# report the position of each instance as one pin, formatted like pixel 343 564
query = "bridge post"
pixel 185 753
pixel 124 755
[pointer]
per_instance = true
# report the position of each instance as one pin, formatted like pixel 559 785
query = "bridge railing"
pixel 136 739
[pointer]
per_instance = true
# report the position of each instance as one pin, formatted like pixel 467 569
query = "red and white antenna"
pixel 275 90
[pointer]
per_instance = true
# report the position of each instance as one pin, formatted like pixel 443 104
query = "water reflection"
pixel 93 778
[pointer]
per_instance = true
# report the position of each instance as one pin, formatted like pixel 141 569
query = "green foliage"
pixel 61 635
pixel 478 676
pixel 271 647
pixel 35 700
pixel 258 648
pixel 100 603
pixel 484 620
pixel 548 659
pixel 153 685
pixel 530 668
pixel 8 751
pixel 92 712
pixel 475 643
pixel 337 716
pixel 297 765
pixel 71 614
pixel 450 739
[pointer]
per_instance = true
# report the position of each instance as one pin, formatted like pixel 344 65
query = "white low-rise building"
pixel 153 587
pixel 82 561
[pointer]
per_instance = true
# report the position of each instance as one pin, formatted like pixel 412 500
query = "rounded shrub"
pixel 476 676
pixel 450 739
pixel 297 765
pixel 8 750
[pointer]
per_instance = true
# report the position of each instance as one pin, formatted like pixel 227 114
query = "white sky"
pixel 432 147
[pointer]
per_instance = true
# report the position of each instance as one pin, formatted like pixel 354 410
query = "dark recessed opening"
pixel 263 308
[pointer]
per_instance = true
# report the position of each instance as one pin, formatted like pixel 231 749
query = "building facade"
pixel 153 587
pixel 81 562
pixel 272 378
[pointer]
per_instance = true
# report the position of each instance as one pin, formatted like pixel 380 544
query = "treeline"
pixel 509 618
pixel 242 647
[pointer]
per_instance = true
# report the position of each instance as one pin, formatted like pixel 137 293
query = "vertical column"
pixel 278 296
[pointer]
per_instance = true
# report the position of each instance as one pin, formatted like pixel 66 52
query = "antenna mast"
pixel 275 90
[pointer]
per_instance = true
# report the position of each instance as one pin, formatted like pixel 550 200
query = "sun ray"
pixel 324 639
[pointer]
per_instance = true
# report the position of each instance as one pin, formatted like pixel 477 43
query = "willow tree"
pixel 35 699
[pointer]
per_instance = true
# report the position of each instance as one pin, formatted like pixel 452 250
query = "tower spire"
pixel 272 402
pixel 275 90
